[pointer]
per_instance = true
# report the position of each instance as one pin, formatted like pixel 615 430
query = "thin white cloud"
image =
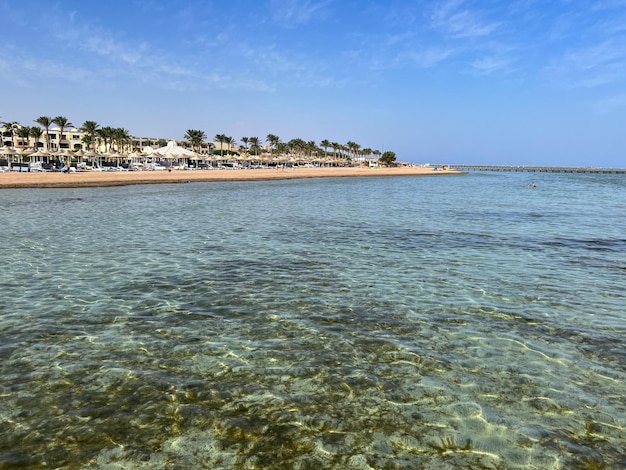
pixel 97 42
pixel 489 65
pixel 53 70
pixel 517 7
pixel 427 57
pixel 595 66
pixel 292 13
pixel 106 46
pixel 608 4
pixel 454 20
pixel 613 25
pixel 600 56
pixel 106 53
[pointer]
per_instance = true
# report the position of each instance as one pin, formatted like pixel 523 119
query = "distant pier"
pixel 538 169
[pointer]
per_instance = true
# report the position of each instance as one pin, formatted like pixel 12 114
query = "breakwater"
pixel 544 169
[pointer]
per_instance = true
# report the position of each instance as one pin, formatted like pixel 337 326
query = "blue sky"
pixel 445 81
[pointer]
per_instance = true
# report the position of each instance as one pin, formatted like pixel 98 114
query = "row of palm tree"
pixel 114 138
pixel 25 132
pixel 119 140
pixel 297 147
pixel 196 138
pixel 224 139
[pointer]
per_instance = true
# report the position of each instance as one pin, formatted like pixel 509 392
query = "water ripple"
pixel 305 324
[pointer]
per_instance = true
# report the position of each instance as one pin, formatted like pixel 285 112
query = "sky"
pixel 512 82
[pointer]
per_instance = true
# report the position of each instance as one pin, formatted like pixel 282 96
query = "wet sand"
pixel 121 178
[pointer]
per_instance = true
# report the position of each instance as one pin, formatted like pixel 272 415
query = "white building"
pixel 72 139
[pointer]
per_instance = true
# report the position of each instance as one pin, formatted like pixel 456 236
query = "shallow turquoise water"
pixel 406 322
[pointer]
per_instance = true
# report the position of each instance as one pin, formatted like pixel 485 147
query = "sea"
pixel 410 322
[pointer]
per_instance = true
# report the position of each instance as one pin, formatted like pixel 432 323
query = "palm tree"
pixel 255 144
pixel 195 138
pixel 23 133
pixel 353 150
pixel 200 139
pixel 366 153
pixel 312 148
pixel 101 138
pixel 62 122
pixel 245 141
pixel 282 148
pixel 356 149
pixel 45 122
pixel 273 140
pixel 90 127
pixel 335 146
pixel 12 128
pixel 297 146
pixel 325 144
pixel 221 138
pixel 35 133
pixel 230 141
pixel 121 138
pixel 106 134
pixel 87 140
pixel 342 149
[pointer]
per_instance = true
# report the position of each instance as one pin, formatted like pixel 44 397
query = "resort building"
pixel 74 139
pixel 28 147
pixel 71 139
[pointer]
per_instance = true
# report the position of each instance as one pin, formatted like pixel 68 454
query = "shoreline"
pixel 124 178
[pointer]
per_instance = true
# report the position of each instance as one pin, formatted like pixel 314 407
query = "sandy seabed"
pixel 120 178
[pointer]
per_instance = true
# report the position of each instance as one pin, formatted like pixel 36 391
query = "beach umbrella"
pixel 208 159
pixel 67 155
pixel 90 155
pixel 242 159
pixel 147 151
pixel 136 157
pixel 114 155
pixel 8 152
pixel 172 152
pixel 40 154
pixel 79 154
pixel 20 154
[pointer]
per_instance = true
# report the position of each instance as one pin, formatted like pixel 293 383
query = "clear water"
pixel 351 323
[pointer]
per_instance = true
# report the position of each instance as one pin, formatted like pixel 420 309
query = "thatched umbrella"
pixel 90 155
pixel 21 153
pixel 8 152
pixel 67 156
pixel 173 152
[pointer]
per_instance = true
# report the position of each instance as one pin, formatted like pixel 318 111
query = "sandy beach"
pixel 120 178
